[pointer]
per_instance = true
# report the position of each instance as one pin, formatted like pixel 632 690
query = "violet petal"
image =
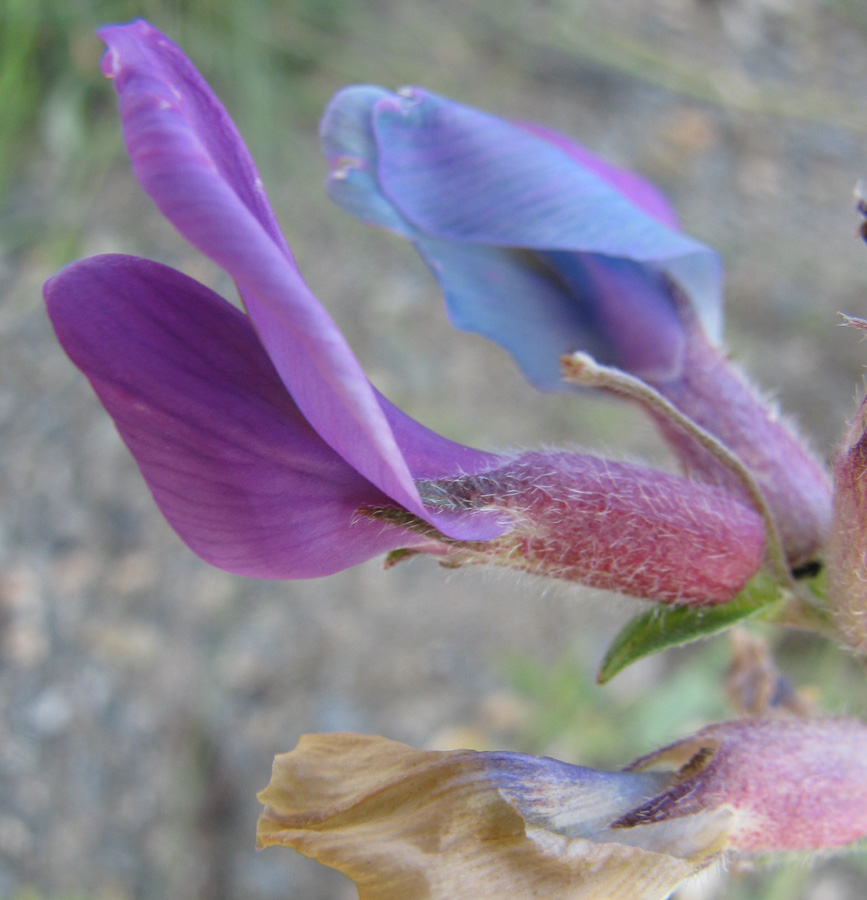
pixel 231 461
pixel 179 139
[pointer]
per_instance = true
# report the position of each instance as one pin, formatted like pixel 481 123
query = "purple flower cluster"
pixel 263 442
pixel 546 249
pixel 272 455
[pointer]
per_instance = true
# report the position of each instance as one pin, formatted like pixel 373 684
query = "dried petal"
pixel 407 824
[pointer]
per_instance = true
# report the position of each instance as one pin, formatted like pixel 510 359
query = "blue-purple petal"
pixel 639 191
pixel 231 461
pixel 464 175
pixel 486 291
pixel 541 306
pixel 470 189
pixel 349 145
pixel 569 799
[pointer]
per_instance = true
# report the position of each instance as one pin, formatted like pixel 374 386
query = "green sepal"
pixel 671 626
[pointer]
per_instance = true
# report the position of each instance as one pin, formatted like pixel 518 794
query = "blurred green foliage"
pixel 275 63
pixel 59 122
pixel 680 691
pixel 573 717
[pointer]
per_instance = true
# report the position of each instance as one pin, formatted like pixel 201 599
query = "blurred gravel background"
pixel 143 694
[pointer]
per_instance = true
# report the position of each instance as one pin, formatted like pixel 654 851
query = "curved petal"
pixel 142 55
pixel 457 174
pixel 231 461
pixel 566 798
pixel 349 145
pixel 407 824
pixel 179 142
pixel 539 307
pixel 518 302
pixel 464 175
pixel 643 193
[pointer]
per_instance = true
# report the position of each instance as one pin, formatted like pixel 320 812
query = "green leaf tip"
pixel 672 626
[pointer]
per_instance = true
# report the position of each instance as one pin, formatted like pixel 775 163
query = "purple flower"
pixel 264 444
pixel 259 435
pixel 537 244
pixel 408 824
pixel 547 250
